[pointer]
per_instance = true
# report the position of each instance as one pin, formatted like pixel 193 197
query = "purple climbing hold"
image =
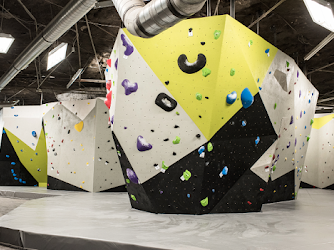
pixel 297 73
pixel 288 146
pixel 295 142
pixel 116 63
pixel 132 176
pixel 291 121
pixel 112 120
pixel 142 145
pixel 129 87
pixel 301 114
pixel 300 93
pixel 129 48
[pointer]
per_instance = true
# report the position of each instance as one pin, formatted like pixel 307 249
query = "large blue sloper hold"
pixel 247 98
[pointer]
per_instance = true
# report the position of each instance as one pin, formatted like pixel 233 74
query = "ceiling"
pixel 289 27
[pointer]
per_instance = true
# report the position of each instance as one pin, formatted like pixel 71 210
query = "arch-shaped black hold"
pixel 191 68
pixel 165 102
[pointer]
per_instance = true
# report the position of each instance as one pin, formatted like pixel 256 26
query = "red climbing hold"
pixel 108 84
pixel 109 62
pixel 261 189
pixel 249 202
pixel 107 102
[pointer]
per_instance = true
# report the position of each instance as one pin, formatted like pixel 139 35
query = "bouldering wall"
pixel 201 114
pixel 319 163
pixel 23 151
pixel 81 151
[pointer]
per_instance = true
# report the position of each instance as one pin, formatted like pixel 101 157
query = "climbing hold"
pixel 198 136
pixel 216 34
pixel 308 138
pixel 133 197
pixel 205 202
pixel 34 134
pixel 267 52
pixel 311 122
pixel 129 48
pixel 230 98
pixel 79 126
pixel 188 195
pixel 223 172
pixel 177 140
pixel 274 167
pixel 275 106
pixel 210 147
pixel 198 96
pixel 165 102
pixel 250 43
pixel 164 167
pixel 201 149
pixel 257 140
pixel 203 43
pixel 232 72
pixel 108 84
pixel 287 146
pixel 166 82
pixel 186 175
pixel 202 155
pixel 116 63
pixel 206 72
pixel 243 123
pixel 247 98
pixel 107 102
pixel 142 145
pixel 132 176
pixel 129 87
pixel 191 68
pixel 291 121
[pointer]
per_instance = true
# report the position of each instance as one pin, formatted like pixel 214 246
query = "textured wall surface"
pixel 208 117
pixel 319 163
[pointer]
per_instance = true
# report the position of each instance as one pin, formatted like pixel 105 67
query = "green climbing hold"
pixel 274 168
pixel 205 202
pixel 217 34
pixel 312 121
pixel 177 140
pixel 270 156
pixel 210 147
pixel 133 197
pixel 47 105
pixel 53 116
pixel 275 106
pixel 308 138
pixel 186 175
pixel 251 42
pixel 232 72
pixel 163 166
pixel 287 64
pixel 198 96
pixel 177 113
pixel 206 72
pixel 127 181
pixel 274 122
pixel 46 134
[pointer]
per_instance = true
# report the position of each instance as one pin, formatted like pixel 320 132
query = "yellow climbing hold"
pixel 83 149
pixel 87 164
pixel 80 186
pixel 74 172
pixel 79 126
pixel 83 182
pixel 80 144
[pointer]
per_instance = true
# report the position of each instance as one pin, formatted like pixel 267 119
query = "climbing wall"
pixel 77 134
pixel 319 163
pixel 198 114
pixel 23 129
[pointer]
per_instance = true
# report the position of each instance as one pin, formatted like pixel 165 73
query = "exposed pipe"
pixel 66 18
pixel 156 16
pixel 232 8
pixel 208 7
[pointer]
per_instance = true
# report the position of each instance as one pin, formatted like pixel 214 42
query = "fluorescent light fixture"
pixel 6 41
pixel 79 72
pixel 4 104
pixel 57 55
pixel 321 13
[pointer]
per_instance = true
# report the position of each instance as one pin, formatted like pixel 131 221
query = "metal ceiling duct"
pixel 156 16
pixel 66 18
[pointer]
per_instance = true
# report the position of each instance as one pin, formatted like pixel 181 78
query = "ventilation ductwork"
pixel 156 16
pixel 66 18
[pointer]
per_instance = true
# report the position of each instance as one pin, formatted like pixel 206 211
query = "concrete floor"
pixel 304 224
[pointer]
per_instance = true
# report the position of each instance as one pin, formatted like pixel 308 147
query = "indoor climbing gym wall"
pixel 207 117
pixel 319 163
pixel 23 153
pixel 81 151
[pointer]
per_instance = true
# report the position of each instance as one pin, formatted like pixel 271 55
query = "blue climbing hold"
pixel 247 98
pixel 257 140
pixel 213 190
pixel 225 170
pixel 267 51
pixel 7 156
pixel 24 182
pixel 12 170
pixel 4 131
pixel 15 178
pixel 230 98
pixel 188 195
pixel 201 150
pixel 260 88
pixel 34 134
pixel 309 101
pixel 243 123
pixel 13 163
pixel 16 115
pixel 12 107
pixel 14 175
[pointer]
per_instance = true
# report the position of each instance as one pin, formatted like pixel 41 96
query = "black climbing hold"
pixel 166 139
pixel 152 130
pixel 198 136
pixel 109 126
pixel 53 149
pixel 112 148
pixel 165 102
pixel 105 112
pixel 176 126
pixel 98 147
pixel 58 118
pixel 191 29
pixel 111 169
pixel 166 82
pixel 69 131
pixel 202 43
pixel 108 140
pixel 174 153
pixel 206 97
pixel 191 68
pixel 200 116
pixel 155 165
